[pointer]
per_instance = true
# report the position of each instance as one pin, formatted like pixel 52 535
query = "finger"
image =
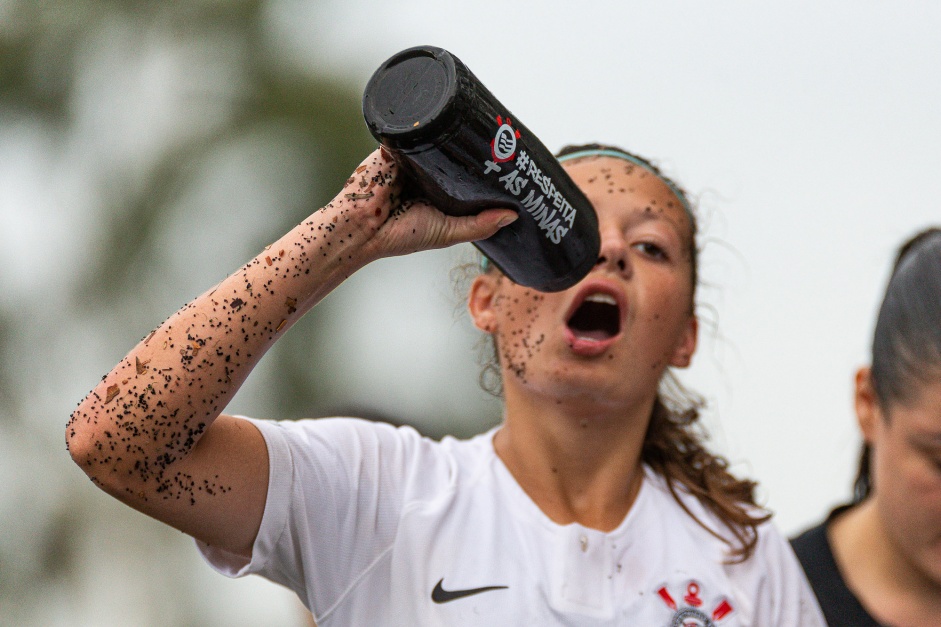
pixel 477 227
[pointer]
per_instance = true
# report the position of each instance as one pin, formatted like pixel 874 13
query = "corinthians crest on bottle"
pixel 462 150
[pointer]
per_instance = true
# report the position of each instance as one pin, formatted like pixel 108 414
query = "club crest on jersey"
pixel 503 146
pixel 691 612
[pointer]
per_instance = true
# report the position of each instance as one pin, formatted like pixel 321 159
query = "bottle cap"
pixel 410 98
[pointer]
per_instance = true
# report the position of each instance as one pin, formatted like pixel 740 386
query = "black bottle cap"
pixel 410 99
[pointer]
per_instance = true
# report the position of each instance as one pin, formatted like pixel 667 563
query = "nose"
pixel 613 255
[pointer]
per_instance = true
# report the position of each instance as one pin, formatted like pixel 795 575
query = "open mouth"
pixel 597 318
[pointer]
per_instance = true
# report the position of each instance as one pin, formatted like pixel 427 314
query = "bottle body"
pixel 465 152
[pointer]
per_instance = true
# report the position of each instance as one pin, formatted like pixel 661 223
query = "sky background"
pixel 807 132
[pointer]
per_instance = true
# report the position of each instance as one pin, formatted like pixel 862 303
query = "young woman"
pixel 593 503
pixel 877 561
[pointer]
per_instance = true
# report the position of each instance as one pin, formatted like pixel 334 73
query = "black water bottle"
pixel 464 152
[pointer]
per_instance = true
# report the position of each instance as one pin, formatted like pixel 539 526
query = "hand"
pixel 371 199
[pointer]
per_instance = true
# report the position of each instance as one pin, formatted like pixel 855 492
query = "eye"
pixel 929 450
pixel 934 464
pixel 652 250
pixel 933 458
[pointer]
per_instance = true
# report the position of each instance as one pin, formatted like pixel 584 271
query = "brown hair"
pixel 674 445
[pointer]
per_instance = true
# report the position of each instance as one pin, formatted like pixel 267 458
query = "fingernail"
pixel 507 219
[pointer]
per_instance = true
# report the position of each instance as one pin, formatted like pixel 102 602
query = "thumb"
pixel 480 226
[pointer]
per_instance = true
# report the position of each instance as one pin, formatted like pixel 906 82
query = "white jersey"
pixel 375 525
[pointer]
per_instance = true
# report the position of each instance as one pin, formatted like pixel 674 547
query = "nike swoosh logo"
pixel 440 595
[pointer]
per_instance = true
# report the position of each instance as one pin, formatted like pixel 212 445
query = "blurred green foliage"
pixel 46 49
pixel 38 64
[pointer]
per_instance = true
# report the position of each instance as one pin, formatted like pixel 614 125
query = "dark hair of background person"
pixel 906 344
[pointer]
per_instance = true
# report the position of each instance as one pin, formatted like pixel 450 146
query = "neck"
pixel 891 587
pixel 579 462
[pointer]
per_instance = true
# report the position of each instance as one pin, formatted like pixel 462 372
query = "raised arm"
pixel 151 434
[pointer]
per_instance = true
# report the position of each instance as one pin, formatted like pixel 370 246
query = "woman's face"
pixel 609 338
pixel 906 472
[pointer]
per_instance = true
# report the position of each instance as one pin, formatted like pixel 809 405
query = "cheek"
pixel 923 480
pixel 914 520
pixel 669 306
pixel 520 335
pixel 910 486
pixel 518 309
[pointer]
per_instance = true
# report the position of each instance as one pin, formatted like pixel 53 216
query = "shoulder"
pixel 712 531
pixel 811 547
pixel 815 553
pixel 693 510
pixel 367 448
pixel 769 587
pixel 333 428
pixel 349 437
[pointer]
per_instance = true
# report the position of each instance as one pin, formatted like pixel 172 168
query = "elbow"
pixel 89 450
pixel 84 444
pixel 78 439
pixel 95 445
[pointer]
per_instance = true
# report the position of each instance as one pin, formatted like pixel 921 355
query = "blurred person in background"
pixel 594 501
pixel 877 560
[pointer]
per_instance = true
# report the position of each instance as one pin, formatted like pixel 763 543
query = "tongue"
pixel 594 335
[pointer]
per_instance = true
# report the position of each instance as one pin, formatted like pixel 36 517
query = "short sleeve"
pixel 785 598
pixel 336 489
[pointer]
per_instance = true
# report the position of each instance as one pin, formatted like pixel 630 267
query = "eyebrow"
pixel 649 215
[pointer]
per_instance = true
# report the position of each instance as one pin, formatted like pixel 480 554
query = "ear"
pixel 868 412
pixel 683 354
pixel 480 302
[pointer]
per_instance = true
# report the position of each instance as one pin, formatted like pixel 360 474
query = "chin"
pixel 586 387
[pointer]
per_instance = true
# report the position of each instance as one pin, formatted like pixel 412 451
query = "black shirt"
pixel 840 606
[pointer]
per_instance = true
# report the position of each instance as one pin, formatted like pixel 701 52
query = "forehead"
pixel 617 186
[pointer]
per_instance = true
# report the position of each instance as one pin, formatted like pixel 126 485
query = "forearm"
pixel 149 432
pixel 154 406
